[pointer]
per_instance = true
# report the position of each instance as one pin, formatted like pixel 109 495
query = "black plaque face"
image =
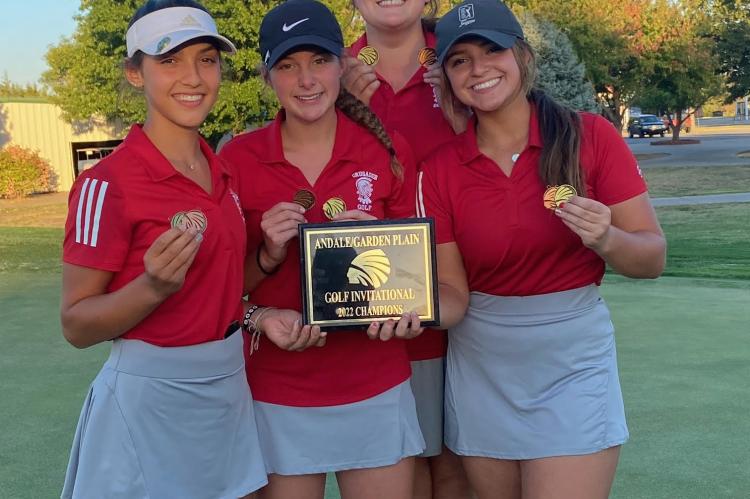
pixel 354 273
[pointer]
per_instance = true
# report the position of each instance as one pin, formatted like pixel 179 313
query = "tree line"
pixel 666 56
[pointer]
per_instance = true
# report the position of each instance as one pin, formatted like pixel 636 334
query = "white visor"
pixel 163 30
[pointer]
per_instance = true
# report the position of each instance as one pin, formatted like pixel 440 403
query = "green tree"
pixel 560 73
pixel 684 73
pixel 9 89
pixel 86 76
pixel 732 44
pixel 597 29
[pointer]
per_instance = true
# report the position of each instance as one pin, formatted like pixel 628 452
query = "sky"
pixel 27 29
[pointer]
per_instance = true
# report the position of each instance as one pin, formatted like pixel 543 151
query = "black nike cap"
pixel 296 23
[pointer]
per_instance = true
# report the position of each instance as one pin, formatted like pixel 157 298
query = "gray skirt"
pixel 379 431
pixel 428 385
pixel 167 423
pixel 532 377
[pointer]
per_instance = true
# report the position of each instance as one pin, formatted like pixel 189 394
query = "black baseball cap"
pixel 296 23
pixel 489 19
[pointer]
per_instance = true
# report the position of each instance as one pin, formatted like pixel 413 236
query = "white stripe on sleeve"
pixel 420 198
pixel 98 213
pixel 89 202
pixel 80 209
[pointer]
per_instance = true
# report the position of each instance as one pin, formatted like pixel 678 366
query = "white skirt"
pixel 167 423
pixel 533 376
pixel 379 431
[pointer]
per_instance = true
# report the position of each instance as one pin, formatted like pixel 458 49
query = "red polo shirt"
pixel 414 112
pixel 118 208
pixel 350 367
pixel 511 244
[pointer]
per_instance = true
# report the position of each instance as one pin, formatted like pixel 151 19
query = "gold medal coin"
pixel 549 198
pixel 190 219
pixel 557 194
pixel 333 207
pixel 564 193
pixel 368 55
pixel 304 198
pixel 427 56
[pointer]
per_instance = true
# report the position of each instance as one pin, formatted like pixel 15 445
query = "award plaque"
pixel 354 273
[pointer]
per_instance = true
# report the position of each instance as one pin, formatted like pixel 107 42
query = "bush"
pixel 23 172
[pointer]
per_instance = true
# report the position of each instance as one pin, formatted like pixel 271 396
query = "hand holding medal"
pixel 588 218
pixel 279 224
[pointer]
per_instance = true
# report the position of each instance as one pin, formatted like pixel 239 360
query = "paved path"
pixel 740 197
pixel 717 149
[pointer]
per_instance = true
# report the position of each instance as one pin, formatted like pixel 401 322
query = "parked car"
pixel 646 125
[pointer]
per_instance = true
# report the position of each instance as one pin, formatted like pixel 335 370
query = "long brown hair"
pixel 559 126
pixel 361 114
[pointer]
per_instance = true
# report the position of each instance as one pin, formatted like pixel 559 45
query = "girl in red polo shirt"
pixel 153 255
pixel 533 400
pixel 391 67
pixel 346 407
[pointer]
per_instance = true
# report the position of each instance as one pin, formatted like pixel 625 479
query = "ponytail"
pixel 560 127
pixel 361 114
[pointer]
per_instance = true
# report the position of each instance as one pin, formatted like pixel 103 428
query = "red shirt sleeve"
pixel 432 201
pixel 615 174
pixel 400 203
pixel 98 230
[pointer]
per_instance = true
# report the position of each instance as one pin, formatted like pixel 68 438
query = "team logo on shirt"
pixel 191 219
pixel 89 211
pixel 370 268
pixel 364 184
pixel 237 202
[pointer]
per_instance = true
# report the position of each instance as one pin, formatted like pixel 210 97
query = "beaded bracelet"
pixel 246 319
pixel 252 326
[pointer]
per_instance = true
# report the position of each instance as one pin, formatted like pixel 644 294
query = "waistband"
pixel 551 305
pixel 214 358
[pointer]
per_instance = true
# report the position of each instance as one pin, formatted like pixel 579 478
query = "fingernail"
pixel 562 204
pixel 373 324
pixel 558 212
pixel 199 237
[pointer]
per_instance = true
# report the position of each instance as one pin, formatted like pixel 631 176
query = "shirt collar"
pixel 158 166
pixel 470 148
pixel 345 146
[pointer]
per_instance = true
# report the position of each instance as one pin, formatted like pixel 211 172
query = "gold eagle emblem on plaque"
pixel 370 268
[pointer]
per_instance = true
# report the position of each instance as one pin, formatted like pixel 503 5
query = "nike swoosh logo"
pixel 291 26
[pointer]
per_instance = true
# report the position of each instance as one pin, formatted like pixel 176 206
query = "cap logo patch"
pixel 466 14
pixel 189 21
pixel 163 43
pixel 289 27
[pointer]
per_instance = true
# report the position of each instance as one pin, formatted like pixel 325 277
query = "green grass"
pixel 682 345
pixel 690 181
pixel 30 249
pixel 707 240
pixel 683 355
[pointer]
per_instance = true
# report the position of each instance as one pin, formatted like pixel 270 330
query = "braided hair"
pixel 361 114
